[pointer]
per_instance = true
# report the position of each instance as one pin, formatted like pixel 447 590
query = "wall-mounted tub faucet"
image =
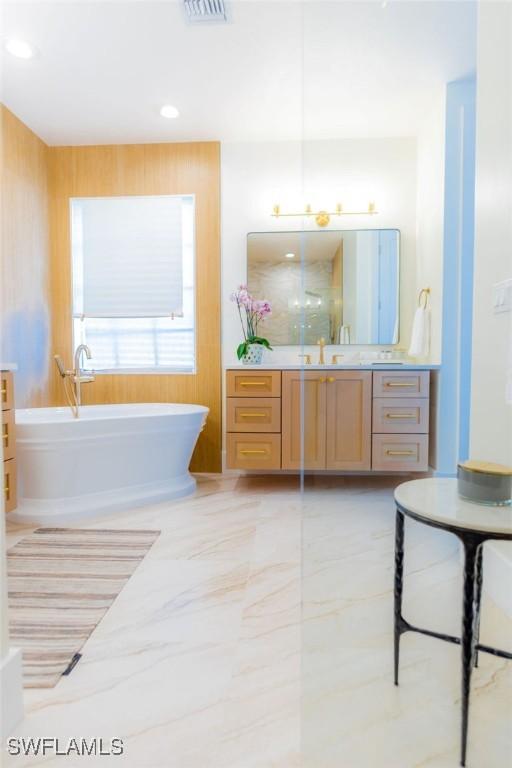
pixel 77 377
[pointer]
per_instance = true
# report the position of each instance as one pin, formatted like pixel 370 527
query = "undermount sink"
pixel 381 362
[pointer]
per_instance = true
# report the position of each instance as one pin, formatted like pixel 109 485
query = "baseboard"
pixel 11 689
pixel 498 574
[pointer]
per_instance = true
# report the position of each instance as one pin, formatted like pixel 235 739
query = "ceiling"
pixel 276 71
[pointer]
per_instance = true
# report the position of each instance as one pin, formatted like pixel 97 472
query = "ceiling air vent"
pixel 205 10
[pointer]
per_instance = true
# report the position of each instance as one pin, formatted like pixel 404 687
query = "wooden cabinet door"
pixel 303 419
pixel 349 425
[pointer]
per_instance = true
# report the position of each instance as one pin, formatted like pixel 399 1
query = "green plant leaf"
pixel 242 349
pixel 260 340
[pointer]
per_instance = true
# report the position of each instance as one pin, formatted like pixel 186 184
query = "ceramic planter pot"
pixel 254 355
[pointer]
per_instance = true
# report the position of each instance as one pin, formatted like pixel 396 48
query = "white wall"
pixel 491 414
pixel 430 214
pixel 255 176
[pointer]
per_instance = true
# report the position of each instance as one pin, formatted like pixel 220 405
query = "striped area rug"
pixel 61 582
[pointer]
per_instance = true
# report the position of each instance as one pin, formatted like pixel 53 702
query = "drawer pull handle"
pixel 246 451
pixel 252 415
pixel 253 383
pixel 401 384
pixel 4 393
pixel 400 415
pixel 330 379
pixel 322 379
pixel 7 490
pixel 5 434
pixel 401 453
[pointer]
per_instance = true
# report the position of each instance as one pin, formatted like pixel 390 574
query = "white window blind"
pixel 138 339
pixel 130 253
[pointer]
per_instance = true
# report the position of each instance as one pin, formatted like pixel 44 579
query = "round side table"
pixel 435 502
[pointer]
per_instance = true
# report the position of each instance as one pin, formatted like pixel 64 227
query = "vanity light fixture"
pixel 20 48
pixel 323 218
pixel 289 255
pixel 169 111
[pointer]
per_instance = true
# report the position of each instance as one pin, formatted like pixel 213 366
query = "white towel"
pixel 420 337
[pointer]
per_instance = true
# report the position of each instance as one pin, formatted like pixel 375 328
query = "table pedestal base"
pixel 471 601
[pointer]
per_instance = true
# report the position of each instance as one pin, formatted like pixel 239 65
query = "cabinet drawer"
pixel 401 384
pixel 403 453
pixel 251 383
pixel 7 390
pixel 253 451
pixel 392 414
pixel 10 496
pixel 253 414
pixel 8 434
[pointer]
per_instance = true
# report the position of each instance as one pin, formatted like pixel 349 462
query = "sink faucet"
pixel 321 344
pixel 76 376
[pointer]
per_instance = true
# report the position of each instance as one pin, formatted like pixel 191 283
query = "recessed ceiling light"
pixel 169 111
pixel 289 255
pixel 20 49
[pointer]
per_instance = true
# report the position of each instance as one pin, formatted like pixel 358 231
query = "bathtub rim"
pixel 105 412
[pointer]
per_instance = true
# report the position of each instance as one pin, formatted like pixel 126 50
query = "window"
pixel 133 264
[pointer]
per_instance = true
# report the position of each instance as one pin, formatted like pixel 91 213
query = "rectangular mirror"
pixel 342 286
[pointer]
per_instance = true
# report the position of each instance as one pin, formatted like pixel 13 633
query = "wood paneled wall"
pixel 24 275
pixel 152 169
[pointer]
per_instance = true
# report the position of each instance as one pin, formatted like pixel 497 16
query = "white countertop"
pixel 354 366
pixel 8 367
pixel 437 499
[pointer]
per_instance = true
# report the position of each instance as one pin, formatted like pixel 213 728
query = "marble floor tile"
pixel 257 633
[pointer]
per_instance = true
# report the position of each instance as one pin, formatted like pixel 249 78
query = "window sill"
pixel 142 371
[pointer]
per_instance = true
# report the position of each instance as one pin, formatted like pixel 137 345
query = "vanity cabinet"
pixel 253 414
pixel 349 419
pixel 8 441
pixel 250 383
pixel 401 384
pixel 310 412
pixel 254 451
pixel 336 418
pixel 254 423
pixel 401 407
pixel 324 419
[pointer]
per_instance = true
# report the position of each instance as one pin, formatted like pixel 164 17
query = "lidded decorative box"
pixel 483 482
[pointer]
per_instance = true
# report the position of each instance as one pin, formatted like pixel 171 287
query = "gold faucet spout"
pixel 321 344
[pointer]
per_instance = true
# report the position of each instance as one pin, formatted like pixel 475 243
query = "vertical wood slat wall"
pixel 36 184
pixel 150 169
pixel 24 263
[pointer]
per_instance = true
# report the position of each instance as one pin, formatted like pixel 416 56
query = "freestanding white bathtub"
pixel 112 457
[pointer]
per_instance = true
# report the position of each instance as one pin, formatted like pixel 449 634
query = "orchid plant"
pixel 251 311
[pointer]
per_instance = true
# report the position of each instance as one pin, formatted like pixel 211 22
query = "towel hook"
pixel 424 294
